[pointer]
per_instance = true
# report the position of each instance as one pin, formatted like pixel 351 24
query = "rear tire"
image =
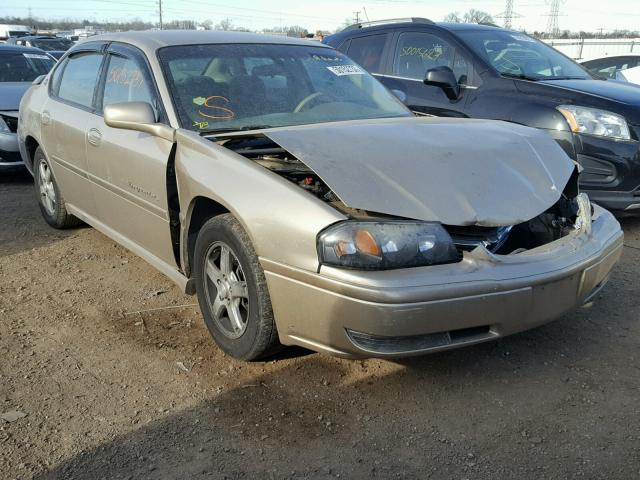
pixel 50 199
pixel 232 291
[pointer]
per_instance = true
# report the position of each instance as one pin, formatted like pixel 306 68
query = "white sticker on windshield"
pixel 36 55
pixel 522 38
pixel 346 70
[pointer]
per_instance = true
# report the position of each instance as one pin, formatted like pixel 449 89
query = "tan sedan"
pixel 303 203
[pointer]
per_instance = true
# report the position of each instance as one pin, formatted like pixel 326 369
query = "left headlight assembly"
pixel 371 245
pixel 595 122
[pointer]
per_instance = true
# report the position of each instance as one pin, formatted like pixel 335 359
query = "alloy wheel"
pixel 226 290
pixel 47 190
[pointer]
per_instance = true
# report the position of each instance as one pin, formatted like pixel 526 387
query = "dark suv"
pixel 482 71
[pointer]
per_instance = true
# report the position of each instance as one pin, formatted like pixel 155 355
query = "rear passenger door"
pixel 413 54
pixel 70 106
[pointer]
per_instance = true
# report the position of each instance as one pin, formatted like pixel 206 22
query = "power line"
pixel 508 14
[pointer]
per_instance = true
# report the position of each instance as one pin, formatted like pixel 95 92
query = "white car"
pixel 625 68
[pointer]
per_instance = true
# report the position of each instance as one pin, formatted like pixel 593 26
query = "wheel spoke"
pixel 43 173
pixel 233 311
pixel 225 260
pixel 218 308
pixel 213 272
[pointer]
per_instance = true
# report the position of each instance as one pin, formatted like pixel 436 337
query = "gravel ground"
pixel 94 390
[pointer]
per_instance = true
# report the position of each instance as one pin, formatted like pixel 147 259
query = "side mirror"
pixel 444 78
pixel 138 116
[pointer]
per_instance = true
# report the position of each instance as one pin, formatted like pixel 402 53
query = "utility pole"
pixel 160 12
pixel 356 17
pixel 554 12
pixel 508 14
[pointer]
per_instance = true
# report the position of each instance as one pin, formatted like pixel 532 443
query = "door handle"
pixel 94 136
pixel 45 118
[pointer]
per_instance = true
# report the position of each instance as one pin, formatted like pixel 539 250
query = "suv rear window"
pixel 367 51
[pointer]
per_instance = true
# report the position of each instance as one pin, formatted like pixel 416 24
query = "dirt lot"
pixel 110 394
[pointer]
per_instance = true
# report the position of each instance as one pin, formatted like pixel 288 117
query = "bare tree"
pixel 225 24
pixel 477 16
pixel 472 16
pixel 453 17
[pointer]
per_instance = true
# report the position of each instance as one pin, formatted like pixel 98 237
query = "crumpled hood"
pixel 458 172
pixel 11 93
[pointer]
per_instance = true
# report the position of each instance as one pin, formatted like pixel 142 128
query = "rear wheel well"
pixel 203 209
pixel 32 145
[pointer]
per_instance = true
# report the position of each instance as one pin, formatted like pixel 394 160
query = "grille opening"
pixel 417 343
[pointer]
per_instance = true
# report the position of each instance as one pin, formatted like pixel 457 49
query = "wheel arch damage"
pixel 262 202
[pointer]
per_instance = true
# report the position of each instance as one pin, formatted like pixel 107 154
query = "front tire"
pixel 50 199
pixel 232 291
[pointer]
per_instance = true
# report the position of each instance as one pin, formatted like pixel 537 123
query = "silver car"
pixel 303 203
pixel 19 66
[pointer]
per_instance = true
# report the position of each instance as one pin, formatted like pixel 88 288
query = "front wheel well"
pixel 32 145
pixel 203 209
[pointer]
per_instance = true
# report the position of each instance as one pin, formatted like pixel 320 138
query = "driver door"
pixel 129 168
pixel 414 53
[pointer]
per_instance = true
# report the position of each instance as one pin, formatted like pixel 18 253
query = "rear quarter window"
pixel 367 51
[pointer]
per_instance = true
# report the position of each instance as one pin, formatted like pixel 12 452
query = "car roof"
pixel 151 40
pixel 470 26
pixel 37 37
pixel 4 48
pixel 614 55
pixel 417 24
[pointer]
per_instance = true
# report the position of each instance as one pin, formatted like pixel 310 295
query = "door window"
pixel 79 78
pixel 126 81
pixel 418 52
pixel 367 51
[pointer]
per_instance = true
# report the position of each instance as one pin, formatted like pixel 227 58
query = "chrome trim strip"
pixel 463 86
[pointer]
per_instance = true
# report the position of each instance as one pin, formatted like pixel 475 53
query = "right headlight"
pixel 384 245
pixel 595 122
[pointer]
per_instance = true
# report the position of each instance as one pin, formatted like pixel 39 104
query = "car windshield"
pixel 519 55
pixel 251 86
pixel 51 44
pixel 23 67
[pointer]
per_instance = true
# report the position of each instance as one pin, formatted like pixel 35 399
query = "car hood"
pixel 11 93
pixel 458 172
pixel 615 91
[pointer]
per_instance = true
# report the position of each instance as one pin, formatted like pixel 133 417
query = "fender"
pixel 262 201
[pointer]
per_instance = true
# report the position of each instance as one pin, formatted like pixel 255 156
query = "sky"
pixel 588 15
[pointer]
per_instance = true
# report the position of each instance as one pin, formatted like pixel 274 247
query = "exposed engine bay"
pixel 557 222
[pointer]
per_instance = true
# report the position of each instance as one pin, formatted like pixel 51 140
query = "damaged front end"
pixel 564 216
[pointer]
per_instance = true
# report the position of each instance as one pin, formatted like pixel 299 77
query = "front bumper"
pixel 414 311
pixel 9 151
pixel 611 175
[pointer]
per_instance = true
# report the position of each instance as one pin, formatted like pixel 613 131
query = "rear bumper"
pixel 415 311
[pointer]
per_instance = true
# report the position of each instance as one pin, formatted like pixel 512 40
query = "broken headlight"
pixel 371 245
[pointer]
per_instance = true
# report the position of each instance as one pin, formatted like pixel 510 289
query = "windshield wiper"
pixel 521 76
pixel 234 129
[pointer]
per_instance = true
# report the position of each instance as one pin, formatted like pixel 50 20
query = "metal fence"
pixel 582 49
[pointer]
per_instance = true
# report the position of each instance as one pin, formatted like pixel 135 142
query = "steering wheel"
pixel 305 101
